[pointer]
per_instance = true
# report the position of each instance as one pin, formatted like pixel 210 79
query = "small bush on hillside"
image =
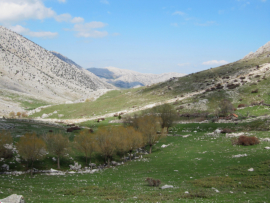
pixel 227 130
pixel 12 114
pixel 255 91
pixel 19 114
pixel 247 140
pixel 24 115
pixel 241 105
pixel 152 182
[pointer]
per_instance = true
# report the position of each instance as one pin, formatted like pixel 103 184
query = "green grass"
pixel 201 161
pixel 112 101
pixel 26 102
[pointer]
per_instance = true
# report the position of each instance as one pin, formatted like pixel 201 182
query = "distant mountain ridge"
pixel 67 60
pixel 123 78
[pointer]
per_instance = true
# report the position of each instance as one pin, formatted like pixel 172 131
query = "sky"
pixel 147 36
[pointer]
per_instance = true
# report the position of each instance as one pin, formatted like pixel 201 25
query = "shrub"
pixel 152 182
pixel 247 140
pixel 24 115
pixel 241 105
pixel 255 91
pixel 12 114
pixel 226 130
pixel 19 114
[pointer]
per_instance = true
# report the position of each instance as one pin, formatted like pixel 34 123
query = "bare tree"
pixel 31 148
pixel 106 142
pixel 57 145
pixel 225 107
pixel 149 125
pixel 5 139
pixel 134 140
pixel 167 114
pixel 86 143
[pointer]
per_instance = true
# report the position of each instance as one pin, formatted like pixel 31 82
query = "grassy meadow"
pixel 200 164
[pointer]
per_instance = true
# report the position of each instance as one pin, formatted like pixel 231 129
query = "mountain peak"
pixel 262 50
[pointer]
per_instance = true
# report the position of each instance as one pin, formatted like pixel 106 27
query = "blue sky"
pixel 149 36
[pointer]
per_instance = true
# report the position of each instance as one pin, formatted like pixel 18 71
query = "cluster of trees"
pixel 138 132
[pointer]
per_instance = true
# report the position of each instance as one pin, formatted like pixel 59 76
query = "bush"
pixel 12 114
pixel 241 105
pixel 24 115
pixel 247 140
pixel 152 182
pixel 255 91
pixel 226 130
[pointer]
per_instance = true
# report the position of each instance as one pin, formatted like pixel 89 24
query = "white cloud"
pixel 179 13
pixel 104 2
pixel 77 20
pixel 215 62
pixel 183 64
pixel 116 34
pixel 62 1
pixel 86 29
pixel 174 24
pixel 66 17
pixel 19 10
pixel 24 31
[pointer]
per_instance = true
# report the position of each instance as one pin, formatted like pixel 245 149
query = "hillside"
pixel 198 92
pixel 128 79
pixel 65 59
pixel 29 72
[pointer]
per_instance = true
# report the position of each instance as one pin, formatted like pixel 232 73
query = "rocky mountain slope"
pixel 128 79
pixel 30 70
pixel 65 59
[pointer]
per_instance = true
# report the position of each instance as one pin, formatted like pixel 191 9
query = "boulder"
pixel 166 187
pixel 13 199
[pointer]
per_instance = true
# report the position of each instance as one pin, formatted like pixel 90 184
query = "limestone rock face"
pixel 27 68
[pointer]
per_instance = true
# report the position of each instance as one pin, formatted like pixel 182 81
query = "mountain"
pixel 30 70
pixel 65 59
pixel 262 51
pixel 128 79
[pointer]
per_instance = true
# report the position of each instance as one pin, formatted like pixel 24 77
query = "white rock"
pixel 166 187
pixel 185 136
pixel 239 155
pixel 265 139
pixel 234 134
pixel 13 199
pixel 186 192
pixel 163 146
pixel 251 169
pixel 267 148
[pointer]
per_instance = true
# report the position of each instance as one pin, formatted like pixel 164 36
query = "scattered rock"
pixel 166 187
pixel 163 146
pixel 239 155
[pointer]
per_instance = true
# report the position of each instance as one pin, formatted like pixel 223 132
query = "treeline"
pixel 137 132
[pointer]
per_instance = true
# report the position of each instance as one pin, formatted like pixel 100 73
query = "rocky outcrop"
pixel 262 50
